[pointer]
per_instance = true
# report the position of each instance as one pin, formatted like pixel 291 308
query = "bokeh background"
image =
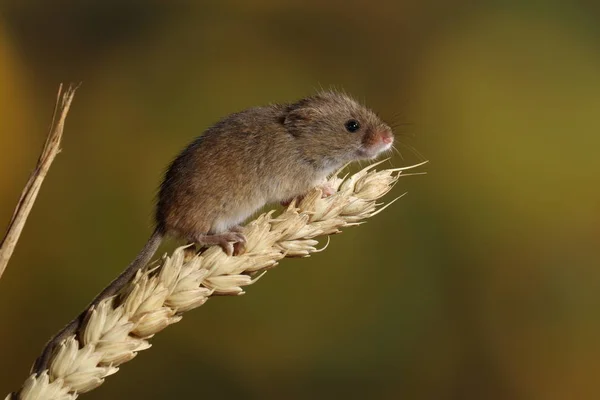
pixel 482 283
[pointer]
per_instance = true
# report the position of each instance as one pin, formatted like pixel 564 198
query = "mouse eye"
pixel 352 125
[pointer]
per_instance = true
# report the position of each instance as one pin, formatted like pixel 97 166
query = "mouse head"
pixel 332 129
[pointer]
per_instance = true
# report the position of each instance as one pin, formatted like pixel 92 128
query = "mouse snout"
pixel 376 141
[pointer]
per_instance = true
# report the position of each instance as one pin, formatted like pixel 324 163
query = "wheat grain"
pixel 120 326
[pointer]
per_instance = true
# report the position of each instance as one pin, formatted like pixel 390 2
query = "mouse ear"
pixel 300 116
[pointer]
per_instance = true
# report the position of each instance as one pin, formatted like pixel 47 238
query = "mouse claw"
pixel 227 247
pixel 239 248
pixel 239 245
pixel 238 237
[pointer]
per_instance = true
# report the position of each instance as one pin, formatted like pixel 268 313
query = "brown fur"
pixel 261 155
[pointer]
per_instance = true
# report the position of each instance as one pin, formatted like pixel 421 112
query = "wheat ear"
pixel 121 325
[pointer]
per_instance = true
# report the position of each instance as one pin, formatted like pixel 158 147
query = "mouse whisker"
pixel 413 150
pixel 398 152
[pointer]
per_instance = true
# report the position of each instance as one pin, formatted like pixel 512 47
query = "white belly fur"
pixel 236 216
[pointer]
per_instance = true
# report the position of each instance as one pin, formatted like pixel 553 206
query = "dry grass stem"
pixel 30 192
pixel 120 327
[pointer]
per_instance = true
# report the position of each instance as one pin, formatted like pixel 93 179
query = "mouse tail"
pixel 143 258
pixel 140 261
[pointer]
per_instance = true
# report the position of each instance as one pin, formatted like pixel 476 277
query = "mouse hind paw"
pixel 232 243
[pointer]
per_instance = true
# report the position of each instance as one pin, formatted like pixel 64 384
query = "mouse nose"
pixel 387 137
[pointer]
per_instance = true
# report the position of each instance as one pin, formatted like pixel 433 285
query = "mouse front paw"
pixel 327 189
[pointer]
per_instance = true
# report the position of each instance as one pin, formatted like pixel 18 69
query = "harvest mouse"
pixel 257 156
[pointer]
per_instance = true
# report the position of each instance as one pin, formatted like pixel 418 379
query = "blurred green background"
pixel 482 283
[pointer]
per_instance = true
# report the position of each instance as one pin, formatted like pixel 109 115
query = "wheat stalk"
pixel 120 326
pixel 30 192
